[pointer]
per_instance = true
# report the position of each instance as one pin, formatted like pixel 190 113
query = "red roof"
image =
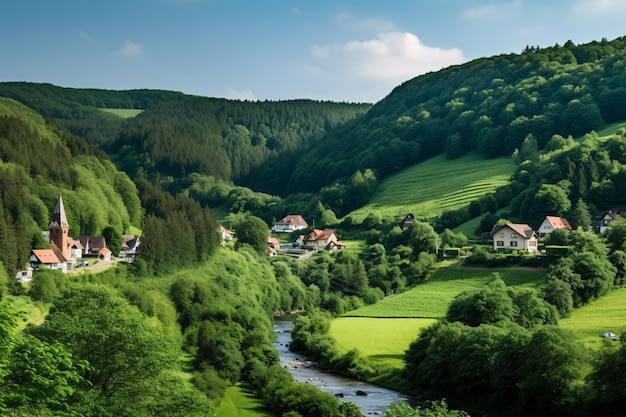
pixel 559 222
pixel 47 256
pixel 272 241
pixel 317 234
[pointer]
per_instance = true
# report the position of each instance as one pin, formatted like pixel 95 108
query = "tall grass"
pixel 436 185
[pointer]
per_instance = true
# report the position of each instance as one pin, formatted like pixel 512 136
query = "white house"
pixel 514 236
pixel 552 223
pixel 290 223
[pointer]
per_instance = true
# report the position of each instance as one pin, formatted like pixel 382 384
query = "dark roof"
pixel 58 216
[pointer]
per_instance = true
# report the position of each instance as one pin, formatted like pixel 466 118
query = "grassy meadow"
pixel 436 185
pixel 606 314
pixel 240 402
pixel 383 331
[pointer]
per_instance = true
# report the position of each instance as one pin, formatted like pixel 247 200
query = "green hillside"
pixel 488 106
pixel 439 184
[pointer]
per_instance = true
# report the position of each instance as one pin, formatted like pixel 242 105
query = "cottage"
pixel 552 223
pixel 317 239
pixel 603 220
pixel 514 236
pixel 48 258
pixel 290 223
pixel 407 222
pixel 92 245
pixel 129 247
pixel 273 243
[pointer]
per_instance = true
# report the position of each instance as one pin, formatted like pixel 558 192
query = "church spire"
pixel 58 216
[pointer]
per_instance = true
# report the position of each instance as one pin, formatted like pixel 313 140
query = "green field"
pixel 436 185
pixel 125 113
pixel 607 314
pixel 383 341
pixel 383 331
pixel 431 298
pixel 240 402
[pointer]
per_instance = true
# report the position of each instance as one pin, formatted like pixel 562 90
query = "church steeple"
pixel 59 230
pixel 58 216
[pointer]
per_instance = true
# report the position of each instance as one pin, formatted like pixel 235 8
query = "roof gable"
pixel 294 220
pixel 558 222
pixel 521 229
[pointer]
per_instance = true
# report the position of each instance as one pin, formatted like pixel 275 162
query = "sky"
pixel 346 51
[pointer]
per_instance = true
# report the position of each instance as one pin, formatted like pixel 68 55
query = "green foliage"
pixel 253 231
pixel 127 358
pixel 437 409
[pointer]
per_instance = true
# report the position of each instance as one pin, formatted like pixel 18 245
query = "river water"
pixel 375 402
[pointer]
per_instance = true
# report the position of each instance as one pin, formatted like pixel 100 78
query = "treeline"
pixel 177 231
pixel 42 160
pixel 488 106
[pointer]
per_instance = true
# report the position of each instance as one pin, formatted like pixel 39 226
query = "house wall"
pixel 507 238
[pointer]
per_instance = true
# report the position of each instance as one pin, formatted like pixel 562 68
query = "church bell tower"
pixel 60 229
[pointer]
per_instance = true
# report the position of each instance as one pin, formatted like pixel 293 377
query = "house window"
pixel 500 243
pixel 513 235
pixel 514 243
pixel 532 243
pixel 501 234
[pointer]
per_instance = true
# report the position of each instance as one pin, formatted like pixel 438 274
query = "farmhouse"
pixel 290 223
pixel 317 239
pixel 552 223
pixel 514 236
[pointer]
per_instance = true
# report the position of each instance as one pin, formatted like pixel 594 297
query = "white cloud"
pixel 392 56
pixel 492 11
pixel 240 95
pixel 130 49
pixel 598 7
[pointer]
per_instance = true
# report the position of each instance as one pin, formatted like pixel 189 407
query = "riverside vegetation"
pixel 190 318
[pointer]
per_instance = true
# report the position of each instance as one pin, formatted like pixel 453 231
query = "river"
pixel 376 399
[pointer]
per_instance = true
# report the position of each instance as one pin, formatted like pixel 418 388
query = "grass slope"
pixel 383 331
pixel 124 113
pixel 606 314
pixel 240 402
pixel 430 299
pixel 438 184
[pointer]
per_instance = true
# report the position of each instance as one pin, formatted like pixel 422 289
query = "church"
pixel 65 251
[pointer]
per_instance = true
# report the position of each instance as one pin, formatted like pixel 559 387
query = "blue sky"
pixel 354 51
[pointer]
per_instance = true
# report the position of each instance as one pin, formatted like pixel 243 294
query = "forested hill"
pixel 80 109
pixel 488 106
pixel 227 139
pixel 40 160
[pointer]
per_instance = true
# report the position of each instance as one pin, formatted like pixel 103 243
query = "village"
pixel 71 254
pixel 68 254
